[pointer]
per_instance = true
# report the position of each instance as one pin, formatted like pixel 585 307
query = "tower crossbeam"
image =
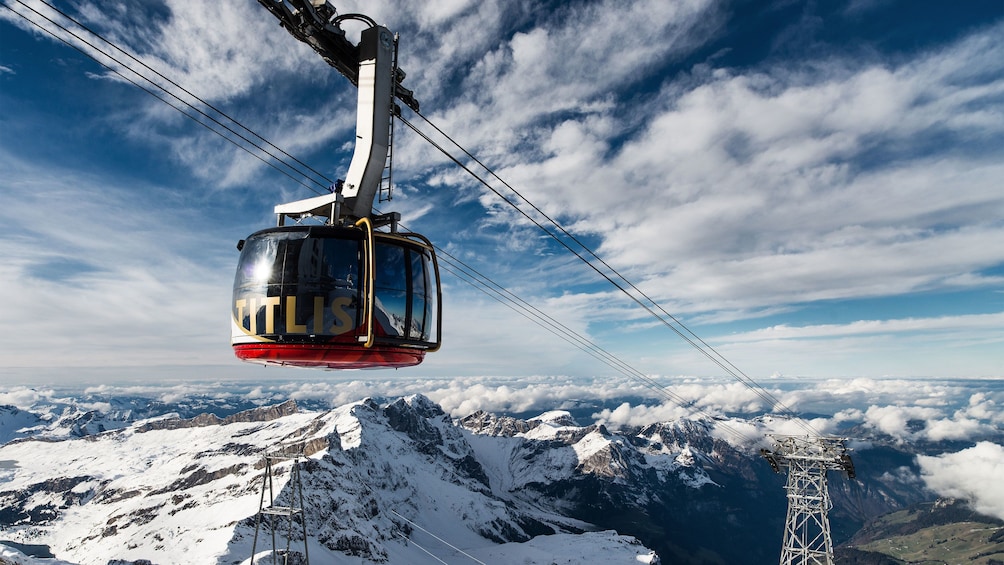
pixel 807 539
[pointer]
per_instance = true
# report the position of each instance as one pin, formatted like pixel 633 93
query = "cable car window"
pixel 261 261
pixel 326 297
pixel 292 283
pixel 418 329
pixel 431 329
pixel 390 309
pixel 431 299
pixel 258 284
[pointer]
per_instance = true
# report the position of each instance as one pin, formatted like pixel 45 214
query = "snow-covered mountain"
pixel 393 482
pixel 382 483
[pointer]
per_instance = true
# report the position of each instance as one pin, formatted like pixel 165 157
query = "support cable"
pixel 427 552
pixel 188 92
pixel 542 319
pixel 651 306
pixel 164 90
pixel 441 540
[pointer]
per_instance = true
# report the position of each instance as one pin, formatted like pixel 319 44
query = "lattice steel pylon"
pixel 288 452
pixel 807 539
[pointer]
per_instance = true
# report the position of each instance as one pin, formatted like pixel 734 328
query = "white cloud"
pixel 752 190
pixel 973 474
pixel 871 327
pixel 915 422
pixel 983 407
pixel 738 193
pixel 515 82
pixel 906 410
pixel 640 415
pixel 967 410
pixel 204 49
pixel 894 420
pixel 24 397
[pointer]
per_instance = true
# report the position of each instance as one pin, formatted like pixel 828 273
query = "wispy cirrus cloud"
pixel 976 322
pixel 96 278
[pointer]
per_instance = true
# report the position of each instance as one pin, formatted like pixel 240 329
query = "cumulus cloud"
pixel 977 419
pixel 24 397
pixel 894 420
pixel 905 410
pixel 973 474
pixel 639 415
pixel 464 395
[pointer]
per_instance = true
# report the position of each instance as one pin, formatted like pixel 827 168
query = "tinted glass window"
pixel 431 329
pixel 418 329
pixel 292 285
pixel 390 310
pixel 262 259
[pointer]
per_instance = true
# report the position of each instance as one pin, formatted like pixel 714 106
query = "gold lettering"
pixel 270 303
pixel 240 305
pixel 318 314
pixel 291 325
pixel 253 315
pixel 343 322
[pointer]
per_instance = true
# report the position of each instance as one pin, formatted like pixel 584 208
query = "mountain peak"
pixel 556 418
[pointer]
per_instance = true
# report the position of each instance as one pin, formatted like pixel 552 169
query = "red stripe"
pixel 329 356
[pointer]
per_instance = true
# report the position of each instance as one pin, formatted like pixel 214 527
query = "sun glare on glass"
pixel 262 271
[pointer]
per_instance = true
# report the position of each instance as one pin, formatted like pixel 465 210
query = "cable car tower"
pixel 272 513
pixel 807 539
pixel 349 292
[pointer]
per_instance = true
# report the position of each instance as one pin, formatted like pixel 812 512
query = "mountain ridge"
pixel 375 469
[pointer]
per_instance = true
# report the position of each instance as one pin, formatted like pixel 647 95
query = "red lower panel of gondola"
pixel 329 356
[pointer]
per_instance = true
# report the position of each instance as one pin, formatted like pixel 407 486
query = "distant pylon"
pixel 807 539
pixel 279 555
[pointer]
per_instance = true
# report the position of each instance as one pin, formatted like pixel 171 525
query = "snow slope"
pixel 392 483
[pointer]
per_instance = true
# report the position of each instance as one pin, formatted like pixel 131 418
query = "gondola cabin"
pixel 336 297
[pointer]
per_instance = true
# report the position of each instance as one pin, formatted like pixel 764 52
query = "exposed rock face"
pixel 262 414
pixel 483 423
pixel 413 417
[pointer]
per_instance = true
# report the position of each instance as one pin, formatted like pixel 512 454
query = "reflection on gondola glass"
pixel 403 309
pixel 391 289
pixel 422 300
pixel 293 282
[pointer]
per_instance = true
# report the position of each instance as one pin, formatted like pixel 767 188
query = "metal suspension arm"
pixel 315 23
pixel 372 67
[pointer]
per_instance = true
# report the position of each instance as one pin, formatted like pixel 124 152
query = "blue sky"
pixel 816 189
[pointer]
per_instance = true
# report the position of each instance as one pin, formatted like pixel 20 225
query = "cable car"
pixel 341 294
pixel 336 297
